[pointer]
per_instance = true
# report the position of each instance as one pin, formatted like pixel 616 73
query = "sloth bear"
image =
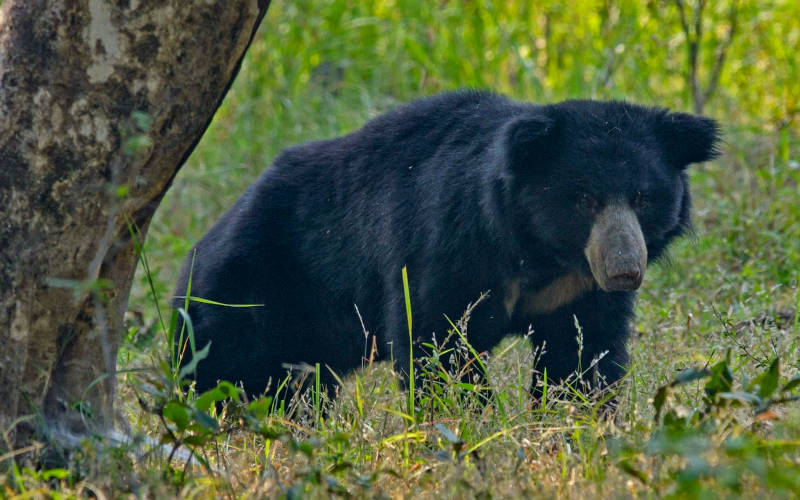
pixel 555 210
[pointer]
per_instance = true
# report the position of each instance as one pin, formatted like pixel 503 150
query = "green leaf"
pixel 173 326
pixel 791 384
pixel 659 399
pixel 260 408
pixel 195 440
pixel 690 375
pixel 206 422
pixel 55 474
pixel 411 377
pixel 230 390
pixel 204 401
pixel 177 413
pixel 214 302
pixel 721 379
pixel 741 396
pixel 191 366
pixel 768 381
pixel 221 392
pixel 156 390
pixel 187 331
pixel 166 438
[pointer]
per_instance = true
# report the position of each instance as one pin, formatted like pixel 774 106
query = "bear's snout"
pixel 616 250
pixel 624 275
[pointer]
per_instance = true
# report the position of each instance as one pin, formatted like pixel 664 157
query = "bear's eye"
pixel 639 200
pixel 587 203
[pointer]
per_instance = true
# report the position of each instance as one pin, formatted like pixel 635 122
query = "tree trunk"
pixel 100 104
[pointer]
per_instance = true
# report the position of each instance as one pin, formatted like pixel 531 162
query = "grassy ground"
pixel 725 305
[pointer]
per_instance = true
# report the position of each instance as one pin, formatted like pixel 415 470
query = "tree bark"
pixel 81 82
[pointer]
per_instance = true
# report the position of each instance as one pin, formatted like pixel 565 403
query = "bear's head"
pixel 602 186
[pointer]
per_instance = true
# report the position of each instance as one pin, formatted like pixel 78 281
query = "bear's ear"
pixel 688 138
pixel 528 139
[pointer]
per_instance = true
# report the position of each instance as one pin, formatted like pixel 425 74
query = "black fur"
pixel 469 190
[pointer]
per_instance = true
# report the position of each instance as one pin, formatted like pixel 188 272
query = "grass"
pixel 724 306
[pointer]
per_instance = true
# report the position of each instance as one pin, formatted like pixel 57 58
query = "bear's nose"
pixel 623 271
pixel 625 280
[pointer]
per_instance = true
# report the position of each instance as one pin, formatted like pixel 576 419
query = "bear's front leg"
pixel 587 336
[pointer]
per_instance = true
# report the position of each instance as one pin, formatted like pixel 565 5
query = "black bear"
pixel 554 209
